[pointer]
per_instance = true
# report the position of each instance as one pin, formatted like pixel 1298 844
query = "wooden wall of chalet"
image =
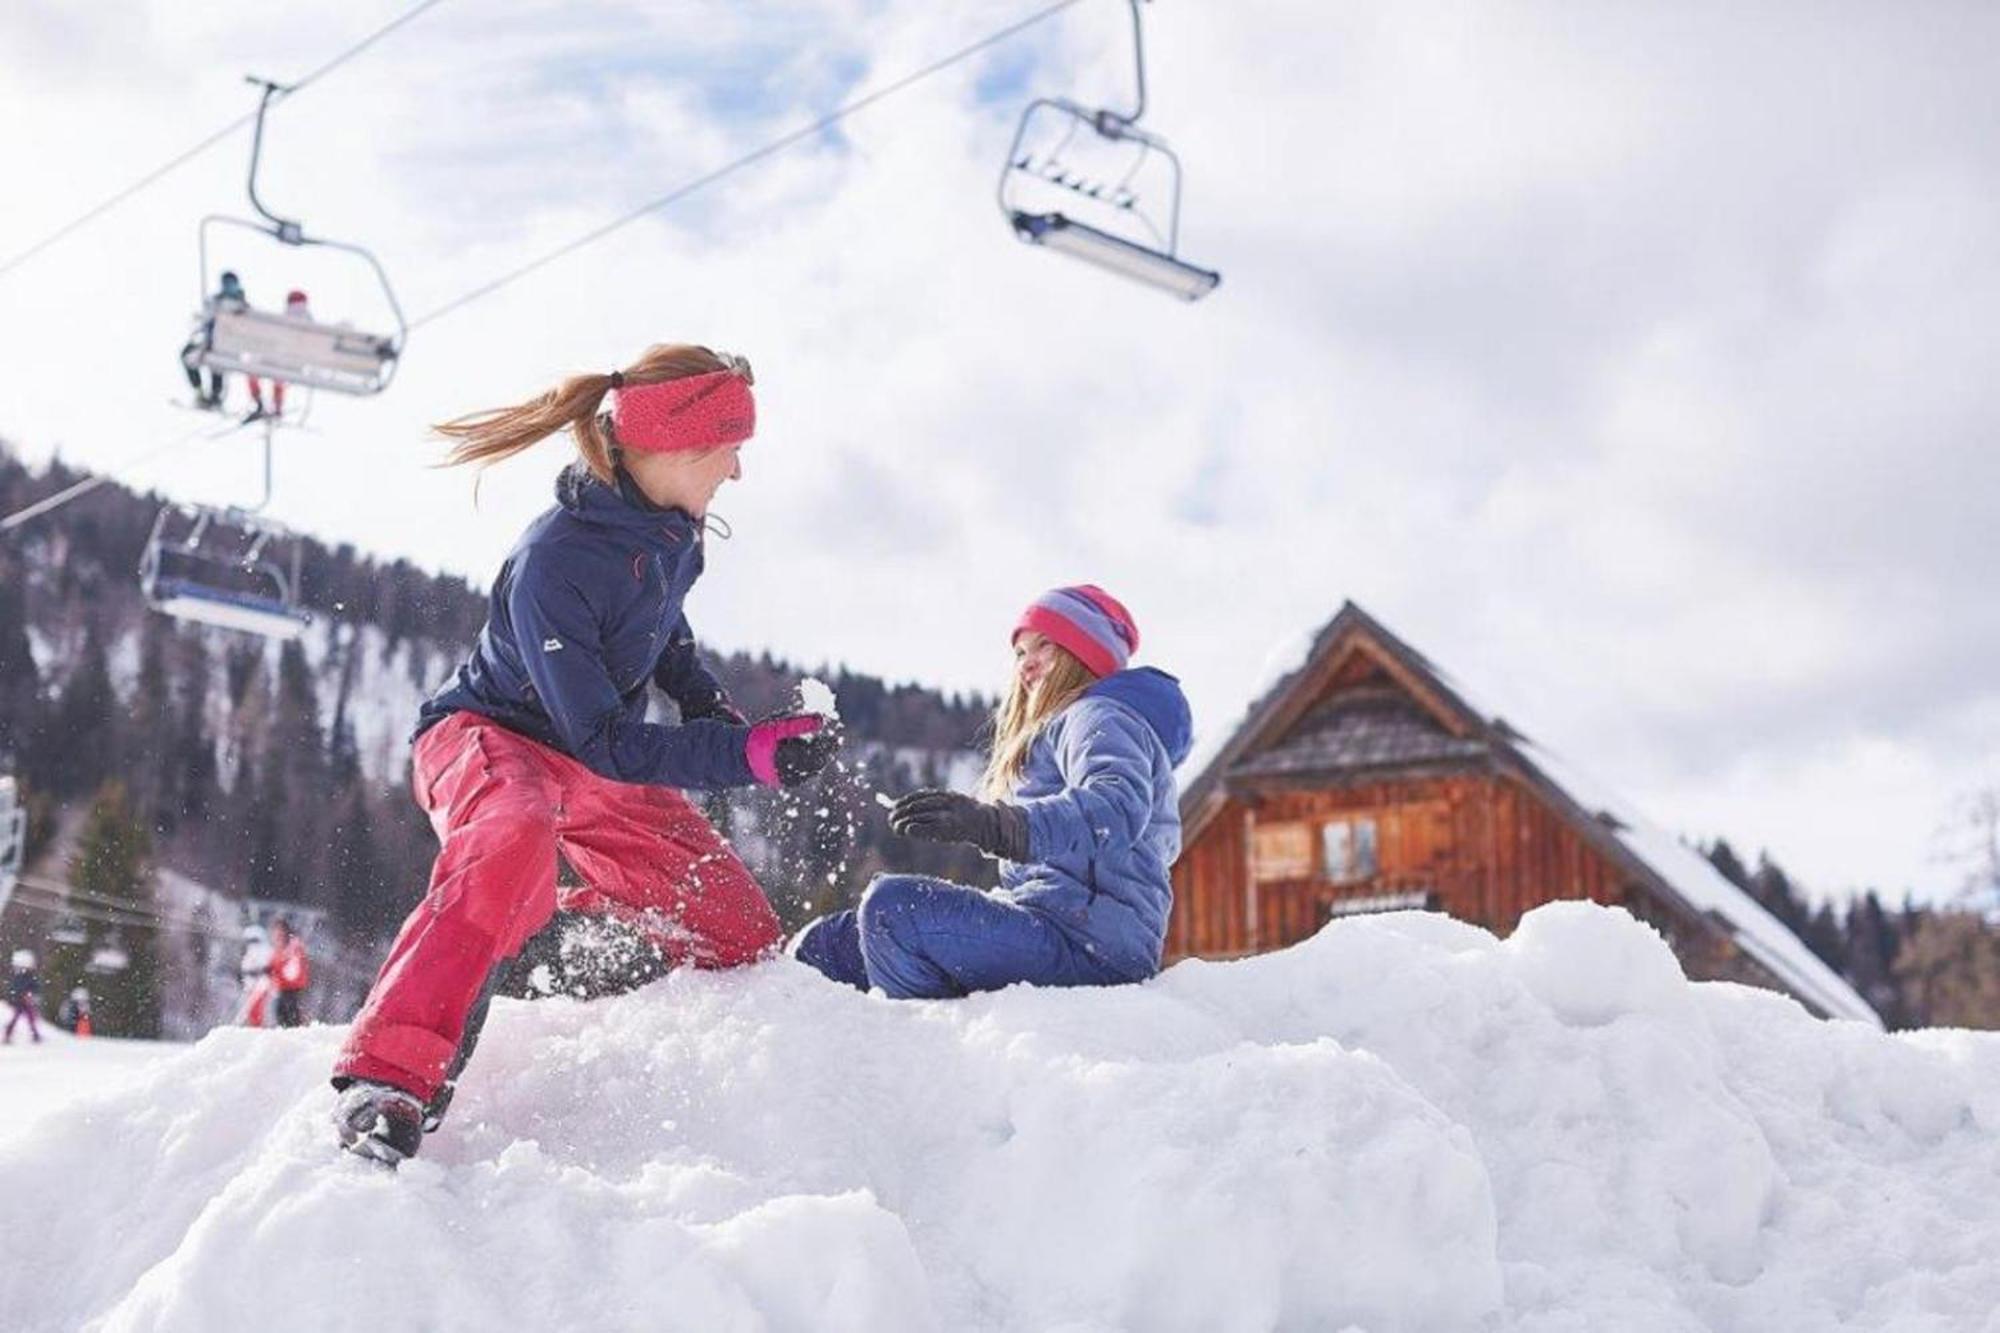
pixel 1480 846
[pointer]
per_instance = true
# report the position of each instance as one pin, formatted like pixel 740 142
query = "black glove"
pixel 998 829
pixel 716 708
pixel 800 757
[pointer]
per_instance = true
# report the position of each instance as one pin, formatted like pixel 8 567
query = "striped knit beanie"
pixel 1086 620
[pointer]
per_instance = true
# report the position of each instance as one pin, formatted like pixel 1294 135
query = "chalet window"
pixel 1349 850
pixel 1407 900
pixel 1282 851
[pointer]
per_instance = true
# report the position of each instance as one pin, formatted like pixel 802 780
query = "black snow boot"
pixel 381 1123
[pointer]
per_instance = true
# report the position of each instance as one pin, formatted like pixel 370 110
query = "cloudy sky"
pixel 1634 362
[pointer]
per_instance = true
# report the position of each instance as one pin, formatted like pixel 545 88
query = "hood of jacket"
pixel 1156 697
pixel 621 506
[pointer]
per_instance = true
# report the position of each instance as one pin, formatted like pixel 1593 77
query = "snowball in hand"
pixel 816 696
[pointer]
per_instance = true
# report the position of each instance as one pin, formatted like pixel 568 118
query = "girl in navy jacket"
pixel 1082 813
pixel 540 744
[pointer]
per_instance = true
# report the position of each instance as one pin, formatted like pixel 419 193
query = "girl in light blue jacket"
pixel 1081 811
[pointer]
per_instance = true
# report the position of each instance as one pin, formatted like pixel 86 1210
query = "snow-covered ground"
pixel 1400 1124
pixel 63 1072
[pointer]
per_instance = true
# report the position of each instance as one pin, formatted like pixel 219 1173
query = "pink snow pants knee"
pixel 502 806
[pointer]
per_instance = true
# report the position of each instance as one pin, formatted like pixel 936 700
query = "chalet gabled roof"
pixel 1289 699
pixel 1295 729
pixel 1363 729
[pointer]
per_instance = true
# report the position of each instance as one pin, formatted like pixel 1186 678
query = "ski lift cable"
pixel 737 164
pixel 188 155
pixel 82 488
pixel 82 900
pixel 46 885
pixel 39 899
pixel 53 898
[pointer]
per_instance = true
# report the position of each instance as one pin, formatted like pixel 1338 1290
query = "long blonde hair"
pixel 501 432
pixel 1023 712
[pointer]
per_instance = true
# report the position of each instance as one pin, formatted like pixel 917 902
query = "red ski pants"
pixel 502 806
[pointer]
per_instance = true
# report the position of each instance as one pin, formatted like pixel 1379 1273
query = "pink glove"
pixel 761 747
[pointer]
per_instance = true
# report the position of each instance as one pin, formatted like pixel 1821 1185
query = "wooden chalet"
pixel 1364 782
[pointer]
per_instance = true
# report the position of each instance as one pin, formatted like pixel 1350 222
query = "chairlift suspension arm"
pixel 1107 118
pixel 286 230
pixel 270 428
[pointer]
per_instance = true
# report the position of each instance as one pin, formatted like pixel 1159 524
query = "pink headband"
pixel 695 412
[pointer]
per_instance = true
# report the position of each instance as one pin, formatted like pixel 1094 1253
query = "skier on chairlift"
pixel 228 296
pixel 296 307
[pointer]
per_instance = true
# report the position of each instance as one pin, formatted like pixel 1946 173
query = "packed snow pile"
pixel 1403 1123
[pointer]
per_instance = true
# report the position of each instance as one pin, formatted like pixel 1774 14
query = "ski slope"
pixel 63 1071
pixel 1401 1124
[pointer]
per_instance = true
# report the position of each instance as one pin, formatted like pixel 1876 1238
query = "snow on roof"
pixel 1688 873
pixel 1285 658
pixel 1706 889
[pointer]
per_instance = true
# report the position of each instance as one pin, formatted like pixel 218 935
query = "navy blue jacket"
pixel 586 612
pixel 1104 819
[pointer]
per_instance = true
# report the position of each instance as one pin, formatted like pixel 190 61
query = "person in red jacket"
pixel 296 307
pixel 290 971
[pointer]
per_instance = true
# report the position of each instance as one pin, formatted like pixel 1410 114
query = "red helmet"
pixel 295 297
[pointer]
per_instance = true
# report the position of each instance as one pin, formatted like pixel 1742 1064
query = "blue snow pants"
pixel 921 939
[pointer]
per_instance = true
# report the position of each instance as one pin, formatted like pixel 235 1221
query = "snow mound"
pixel 1401 1124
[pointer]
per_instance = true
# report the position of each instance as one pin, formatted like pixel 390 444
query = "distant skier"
pixel 540 744
pixel 75 1011
pixel 255 973
pixel 1081 812
pixel 290 972
pixel 24 989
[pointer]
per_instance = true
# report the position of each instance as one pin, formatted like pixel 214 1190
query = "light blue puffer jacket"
pixel 1104 823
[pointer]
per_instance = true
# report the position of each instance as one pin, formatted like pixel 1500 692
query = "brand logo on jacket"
pixel 551 645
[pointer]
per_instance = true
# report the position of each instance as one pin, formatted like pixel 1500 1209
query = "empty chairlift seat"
pixel 1049 186
pixel 188 578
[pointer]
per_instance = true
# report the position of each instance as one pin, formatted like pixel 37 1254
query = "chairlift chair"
pixel 1120 251
pixel 110 955
pixel 295 350
pixel 216 567
pixel 13 834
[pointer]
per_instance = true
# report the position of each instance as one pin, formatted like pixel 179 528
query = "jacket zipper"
pixel 653 637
